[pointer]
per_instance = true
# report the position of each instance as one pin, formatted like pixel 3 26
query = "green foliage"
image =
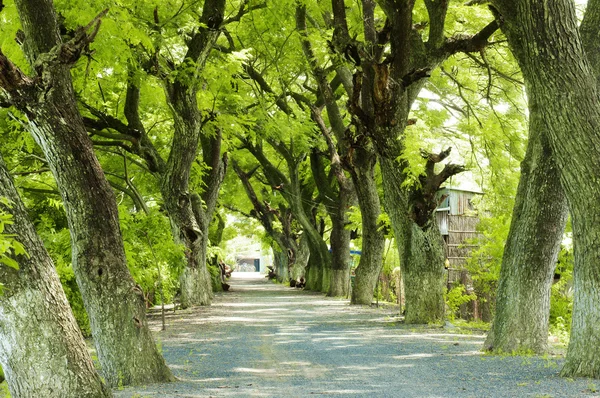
pixel 561 296
pixel 215 277
pixel 456 297
pixel 151 251
pixel 389 278
pixel 485 261
pixel 9 246
pixel 67 278
pixel 4 392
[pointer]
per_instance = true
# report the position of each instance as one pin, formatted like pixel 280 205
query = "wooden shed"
pixel 457 220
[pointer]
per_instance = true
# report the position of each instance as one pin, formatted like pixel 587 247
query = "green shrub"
pixel 67 278
pixel 457 297
pixel 561 296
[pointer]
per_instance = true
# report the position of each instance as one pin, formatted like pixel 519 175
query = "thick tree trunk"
pixel 538 222
pixel 558 76
pixel 423 273
pixel 37 326
pixel 373 244
pixel 185 208
pixel 196 288
pixel 421 252
pixel 115 304
pixel 320 258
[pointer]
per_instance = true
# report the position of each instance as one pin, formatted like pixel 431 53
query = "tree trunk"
pixel 280 261
pixel 115 304
pixel 538 222
pixel 373 244
pixel 302 257
pixel 36 324
pixel 314 276
pixel 196 288
pixel 558 75
pixel 185 208
pixel 421 252
pixel 340 248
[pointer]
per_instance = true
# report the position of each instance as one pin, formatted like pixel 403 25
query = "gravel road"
pixel 266 340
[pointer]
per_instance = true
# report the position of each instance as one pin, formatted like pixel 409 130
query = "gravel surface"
pixel 266 340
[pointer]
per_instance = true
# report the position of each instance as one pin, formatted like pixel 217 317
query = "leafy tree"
pixel 279 225
pixel 47 100
pixel 349 150
pixel 392 63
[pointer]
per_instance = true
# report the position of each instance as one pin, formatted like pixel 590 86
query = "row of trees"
pixel 322 109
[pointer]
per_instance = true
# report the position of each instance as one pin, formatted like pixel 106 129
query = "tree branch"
pixel 437 11
pixel 470 44
pixel 69 53
pixel 264 86
pixel 243 10
pixel 14 83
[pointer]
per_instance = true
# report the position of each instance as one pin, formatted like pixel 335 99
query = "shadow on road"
pixel 262 339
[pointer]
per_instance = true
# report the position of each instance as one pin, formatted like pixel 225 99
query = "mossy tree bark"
pixel 336 193
pixel 371 259
pixel 545 40
pixel 185 209
pixel 521 320
pixel 419 242
pixel 115 304
pixel 361 160
pixel 537 226
pixel 37 325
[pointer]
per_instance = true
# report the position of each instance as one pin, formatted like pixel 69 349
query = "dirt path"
pixel 266 340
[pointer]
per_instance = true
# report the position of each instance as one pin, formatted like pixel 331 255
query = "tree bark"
pixel 421 251
pixel 558 75
pixel 115 304
pixel 336 193
pixel 280 260
pixel 185 208
pixel 196 288
pixel 371 259
pixel 537 226
pixel 302 257
pixel 36 322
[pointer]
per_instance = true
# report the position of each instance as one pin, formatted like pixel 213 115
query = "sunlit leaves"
pixel 9 246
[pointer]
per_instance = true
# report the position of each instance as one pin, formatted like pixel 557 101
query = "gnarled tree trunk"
pixel 42 351
pixel 537 226
pixel 371 259
pixel 421 251
pixel 558 75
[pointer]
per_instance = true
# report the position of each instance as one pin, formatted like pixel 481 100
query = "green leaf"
pixel 9 262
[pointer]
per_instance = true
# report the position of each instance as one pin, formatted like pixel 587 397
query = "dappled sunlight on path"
pixel 261 339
